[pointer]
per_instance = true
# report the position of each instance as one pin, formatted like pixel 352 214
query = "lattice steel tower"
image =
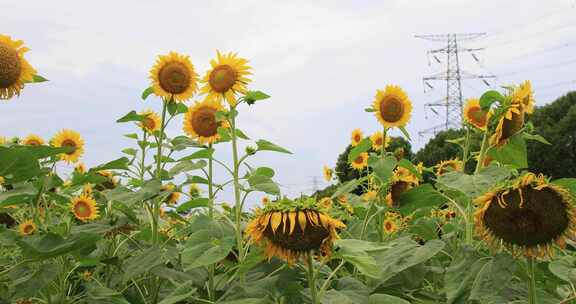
pixel 453 75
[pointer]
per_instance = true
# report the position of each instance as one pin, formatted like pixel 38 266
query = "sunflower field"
pixel 150 227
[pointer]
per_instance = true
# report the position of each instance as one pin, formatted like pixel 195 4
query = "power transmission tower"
pixel 453 75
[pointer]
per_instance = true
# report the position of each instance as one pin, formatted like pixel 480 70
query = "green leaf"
pixel 264 171
pixel 180 293
pixel 175 108
pixel 363 146
pixel 21 193
pixel 147 92
pixel 423 196
pixel 122 194
pixel 224 134
pixel 142 262
pixel 346 188
pixel 369 110
pixel 493 277
pixel 38 78
pixel 131 116
pixel 102 295
pixel 195 203
pixel 513 153
pixel 404 163
pixel 405 133
pixel 564 268
pixel 383 168
pixel 477 184
pixel 388 299
pixel 252 96
pixel 264 145
pixel 117 164
pixel 51 245
pixel 263 183
pixel 536 137
pixel 461 273
pixel 17 164
pixel 45 151
pixel 131 135
pixel 186 166
pixel 351 252
pixel 568 183
pixel 241 134
pixel 28 280
pixel 490 97
pixel 205 247
pixel 130 151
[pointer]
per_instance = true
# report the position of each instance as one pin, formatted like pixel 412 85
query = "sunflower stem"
pixel 466 151
pixel 237 200
pixel 312 279
pixel 483 148
pixel 143 161
pixel 532 280
pixel 211 268
pixel 156 203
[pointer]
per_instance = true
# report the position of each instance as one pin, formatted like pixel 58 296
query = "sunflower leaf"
pixel 253 96
pixel 131 116
pixel 363 146
pixel 369 110
pixel 489 98
pixel 536 137
pixel 118 164
pixel 204 153
pixel 195 203
pixel 36 79
pixel 513 153
pixel 147 92
pixel 264 145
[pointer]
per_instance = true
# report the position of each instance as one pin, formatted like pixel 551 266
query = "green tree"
pixel 439 148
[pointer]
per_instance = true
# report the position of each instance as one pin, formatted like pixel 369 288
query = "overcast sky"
pixel 321 61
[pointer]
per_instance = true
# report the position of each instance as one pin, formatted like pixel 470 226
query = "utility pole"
pixel 452 75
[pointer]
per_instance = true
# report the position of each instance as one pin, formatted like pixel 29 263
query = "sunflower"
pixel 265 200
pixel 524 95
pixel 527 216
pixel 80 168
pixel 110 183
pixel 377 140
pixel 402 180
pixel 446 166
pixel 370 195
pixel 200 121
pixel 174 195
pixel 356 137
pixel 392 107
pixel 226 78
pixel 292 229
pixel 14 69
pixel 84 208
pixel 173 77
pixel 86 275
pixel 87 190
pixel 151 122
pixel 509 124
pixel 360 162
pixel 194 191
pixel 325 203
pixel 328 172
pixel 69 138
pixel 390 225
pixel 27 227
pixel 474 115
pixel 343 202
pixel 33 140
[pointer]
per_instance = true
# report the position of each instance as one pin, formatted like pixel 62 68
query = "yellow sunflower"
pixel 80 168
pixel 152 121
pixel 509 124
pixel 200 121
pixel 377 140
pixel 173 76
pixel 328 172
pixel 87 190
pixel 446 166
pixel 33 140
pixel 226 78
pixel 14 69
pixel 474 115
pixel 392 107
pixel 84 208
pixel 527 216
pixel 402 180
pixel 110 183
pixel 27 227
pixel 292 230
pixel 356 137
pixel 174 195
pixel 69 138
pixel 265 200
pixel 390 225
pixel 360 162
pixel 325 203
pixel 524 95
pixel 370 195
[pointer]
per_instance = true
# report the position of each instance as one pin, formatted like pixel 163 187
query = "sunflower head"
pixel 80 168
pixel 14 69
pixel 110 183
pixel 27 227
pixel 72 139
pixel 173 77
pixel 200 121
pixel 174 195
pixel 227 77
pixel 151 122
pixel 370 195
pixel 87 190
pixel 325 203
pixel 356 137
pixel 474 115
pixel 524 96
pixel 194 191
pixel 509 124
pixel 360 162
pixel 328 173
pixel 265 200
pixel 84 208
pixel 446 166
pixel 33 140
pixel 377 140
pixel 392 107
pixel 393 223
pixel 402 181
pixel 527 216
pixel 291 229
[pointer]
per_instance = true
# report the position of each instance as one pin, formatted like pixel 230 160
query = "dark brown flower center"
pixel 512 126
pixel 396 190
pixel 149 123
pixel 222 78
pixel 391 109
pixel 69 143
pixel 477 116
pixel 33 142
pixel 388 226
pixel 28 229
pixel 174 77
pixel 541 219
pixel 204 122
pixel 359 160
pixel 10 67
pixel 82 209
pixel 378 141
pixel 303 240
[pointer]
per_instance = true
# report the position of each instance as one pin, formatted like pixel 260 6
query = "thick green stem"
pixel 469 223
pixel 383 148
pixel 211 268
pixel 466 151
pixel 143 161
pixel 482 155
pixel 156 203
pixel 312 279
pixel 532 280
pixel 237 200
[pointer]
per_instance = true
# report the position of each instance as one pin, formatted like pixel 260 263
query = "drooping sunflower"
pixel 151 122
pixel 200 121
pixel 174 195
pixel 14 69
pixel 226 78
pixel 392 107
pixel 33 140
pixel 446 166
pixel 356 137
pixel 474 115
pixel 173 77
pixel 402 180
pixel 360 162
pixel 110 183
pixel 69 138
pixel 292 229
pixel 27 227
pixel 377 140
pixel 509 124
pixel 524 95
pixel 84 208
pixel 527 216
pixel 328 172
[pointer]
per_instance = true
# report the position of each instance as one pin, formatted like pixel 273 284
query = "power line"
pixel 543 67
